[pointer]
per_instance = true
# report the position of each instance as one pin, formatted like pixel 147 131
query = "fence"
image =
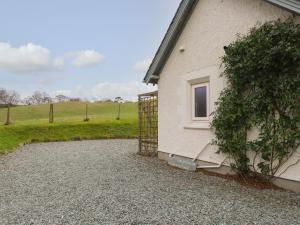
pixel 68 112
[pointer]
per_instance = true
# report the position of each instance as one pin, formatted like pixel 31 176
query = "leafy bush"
pixel 263 93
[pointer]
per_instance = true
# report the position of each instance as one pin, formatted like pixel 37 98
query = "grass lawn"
pixel 30 123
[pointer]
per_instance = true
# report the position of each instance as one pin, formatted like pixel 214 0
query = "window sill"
pixel 198 126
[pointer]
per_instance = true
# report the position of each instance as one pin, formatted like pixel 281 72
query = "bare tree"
pixel 28 101
pixel 9 97
pixel 3 96
pixel 36 98
pixel 46 99
pixel 13 98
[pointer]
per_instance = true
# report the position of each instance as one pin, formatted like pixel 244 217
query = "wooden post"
pixel 140 123
pixel 86 113
pixel 119 112
pixel 8 116
pixel 51 116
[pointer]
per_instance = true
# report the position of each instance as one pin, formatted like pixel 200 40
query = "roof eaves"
pixel 290 5
pixel 177 25
pixel 171 37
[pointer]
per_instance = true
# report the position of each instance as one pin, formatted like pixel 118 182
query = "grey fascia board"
pixel 290 5
pixel 183 13
pixel 170 39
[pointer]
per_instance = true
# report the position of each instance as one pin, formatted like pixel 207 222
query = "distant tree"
pixel 61 98
pixel 9 97
pixel 13 98
pixel 75 99
pixel 118 99
pixel 36 98
pixel 3 96
pixel 46 99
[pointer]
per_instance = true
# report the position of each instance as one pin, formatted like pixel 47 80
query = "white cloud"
pixel 128 90
pixel 67 93
pixel 107 90
pixel 85 58
pixel 142 66
pixel 27 59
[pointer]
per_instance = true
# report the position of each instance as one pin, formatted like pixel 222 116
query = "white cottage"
pixel 188 62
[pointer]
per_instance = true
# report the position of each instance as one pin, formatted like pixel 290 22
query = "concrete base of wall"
pixel 290 185
pixel 226 170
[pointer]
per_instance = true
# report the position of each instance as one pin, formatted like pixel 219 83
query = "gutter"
pixel 292 6
pixel 176 27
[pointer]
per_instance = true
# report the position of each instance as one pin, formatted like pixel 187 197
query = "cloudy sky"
pixel 81 48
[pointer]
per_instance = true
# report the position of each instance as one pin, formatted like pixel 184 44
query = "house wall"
pixel 214 24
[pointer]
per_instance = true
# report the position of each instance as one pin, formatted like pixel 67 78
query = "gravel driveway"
pixel 105 182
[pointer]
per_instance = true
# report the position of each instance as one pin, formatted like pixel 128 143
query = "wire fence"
pixel 68 112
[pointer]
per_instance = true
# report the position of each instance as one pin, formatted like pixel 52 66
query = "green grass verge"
pixel 14 135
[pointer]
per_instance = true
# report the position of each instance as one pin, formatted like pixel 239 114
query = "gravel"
pixel 105 182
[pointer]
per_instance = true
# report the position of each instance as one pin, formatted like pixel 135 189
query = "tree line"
pixel 11 98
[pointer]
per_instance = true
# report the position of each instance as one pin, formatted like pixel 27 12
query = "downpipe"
pixel 191 164
pixel 207 167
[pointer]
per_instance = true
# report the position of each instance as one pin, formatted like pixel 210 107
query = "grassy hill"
pixel 30 123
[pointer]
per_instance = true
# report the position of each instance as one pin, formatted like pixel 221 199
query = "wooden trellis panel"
pixel 148 119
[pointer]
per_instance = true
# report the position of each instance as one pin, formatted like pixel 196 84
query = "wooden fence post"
pixel 119 112
pixel 8 116
pixel 51 116
pixel 86 113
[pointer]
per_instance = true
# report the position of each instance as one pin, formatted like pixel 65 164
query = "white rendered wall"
pixel 214 24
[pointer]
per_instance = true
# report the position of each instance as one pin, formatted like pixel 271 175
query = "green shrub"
pixel 263 92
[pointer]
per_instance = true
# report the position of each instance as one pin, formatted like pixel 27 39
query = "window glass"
pixel 201 101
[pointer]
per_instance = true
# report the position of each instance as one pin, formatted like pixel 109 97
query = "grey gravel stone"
pixel 105 182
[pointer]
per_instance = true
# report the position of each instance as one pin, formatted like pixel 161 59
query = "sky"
pixel 93 49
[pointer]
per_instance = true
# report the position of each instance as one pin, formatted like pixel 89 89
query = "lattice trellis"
pixel 148 131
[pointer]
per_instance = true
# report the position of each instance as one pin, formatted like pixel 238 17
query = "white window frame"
pixel 193 87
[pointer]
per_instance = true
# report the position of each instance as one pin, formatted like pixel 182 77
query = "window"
pixel 200 110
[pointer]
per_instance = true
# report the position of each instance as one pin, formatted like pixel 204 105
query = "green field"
pixel 30 123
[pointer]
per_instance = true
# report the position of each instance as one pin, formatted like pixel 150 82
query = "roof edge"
pixel 290 5
pixel 175 29
pixel 177 25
